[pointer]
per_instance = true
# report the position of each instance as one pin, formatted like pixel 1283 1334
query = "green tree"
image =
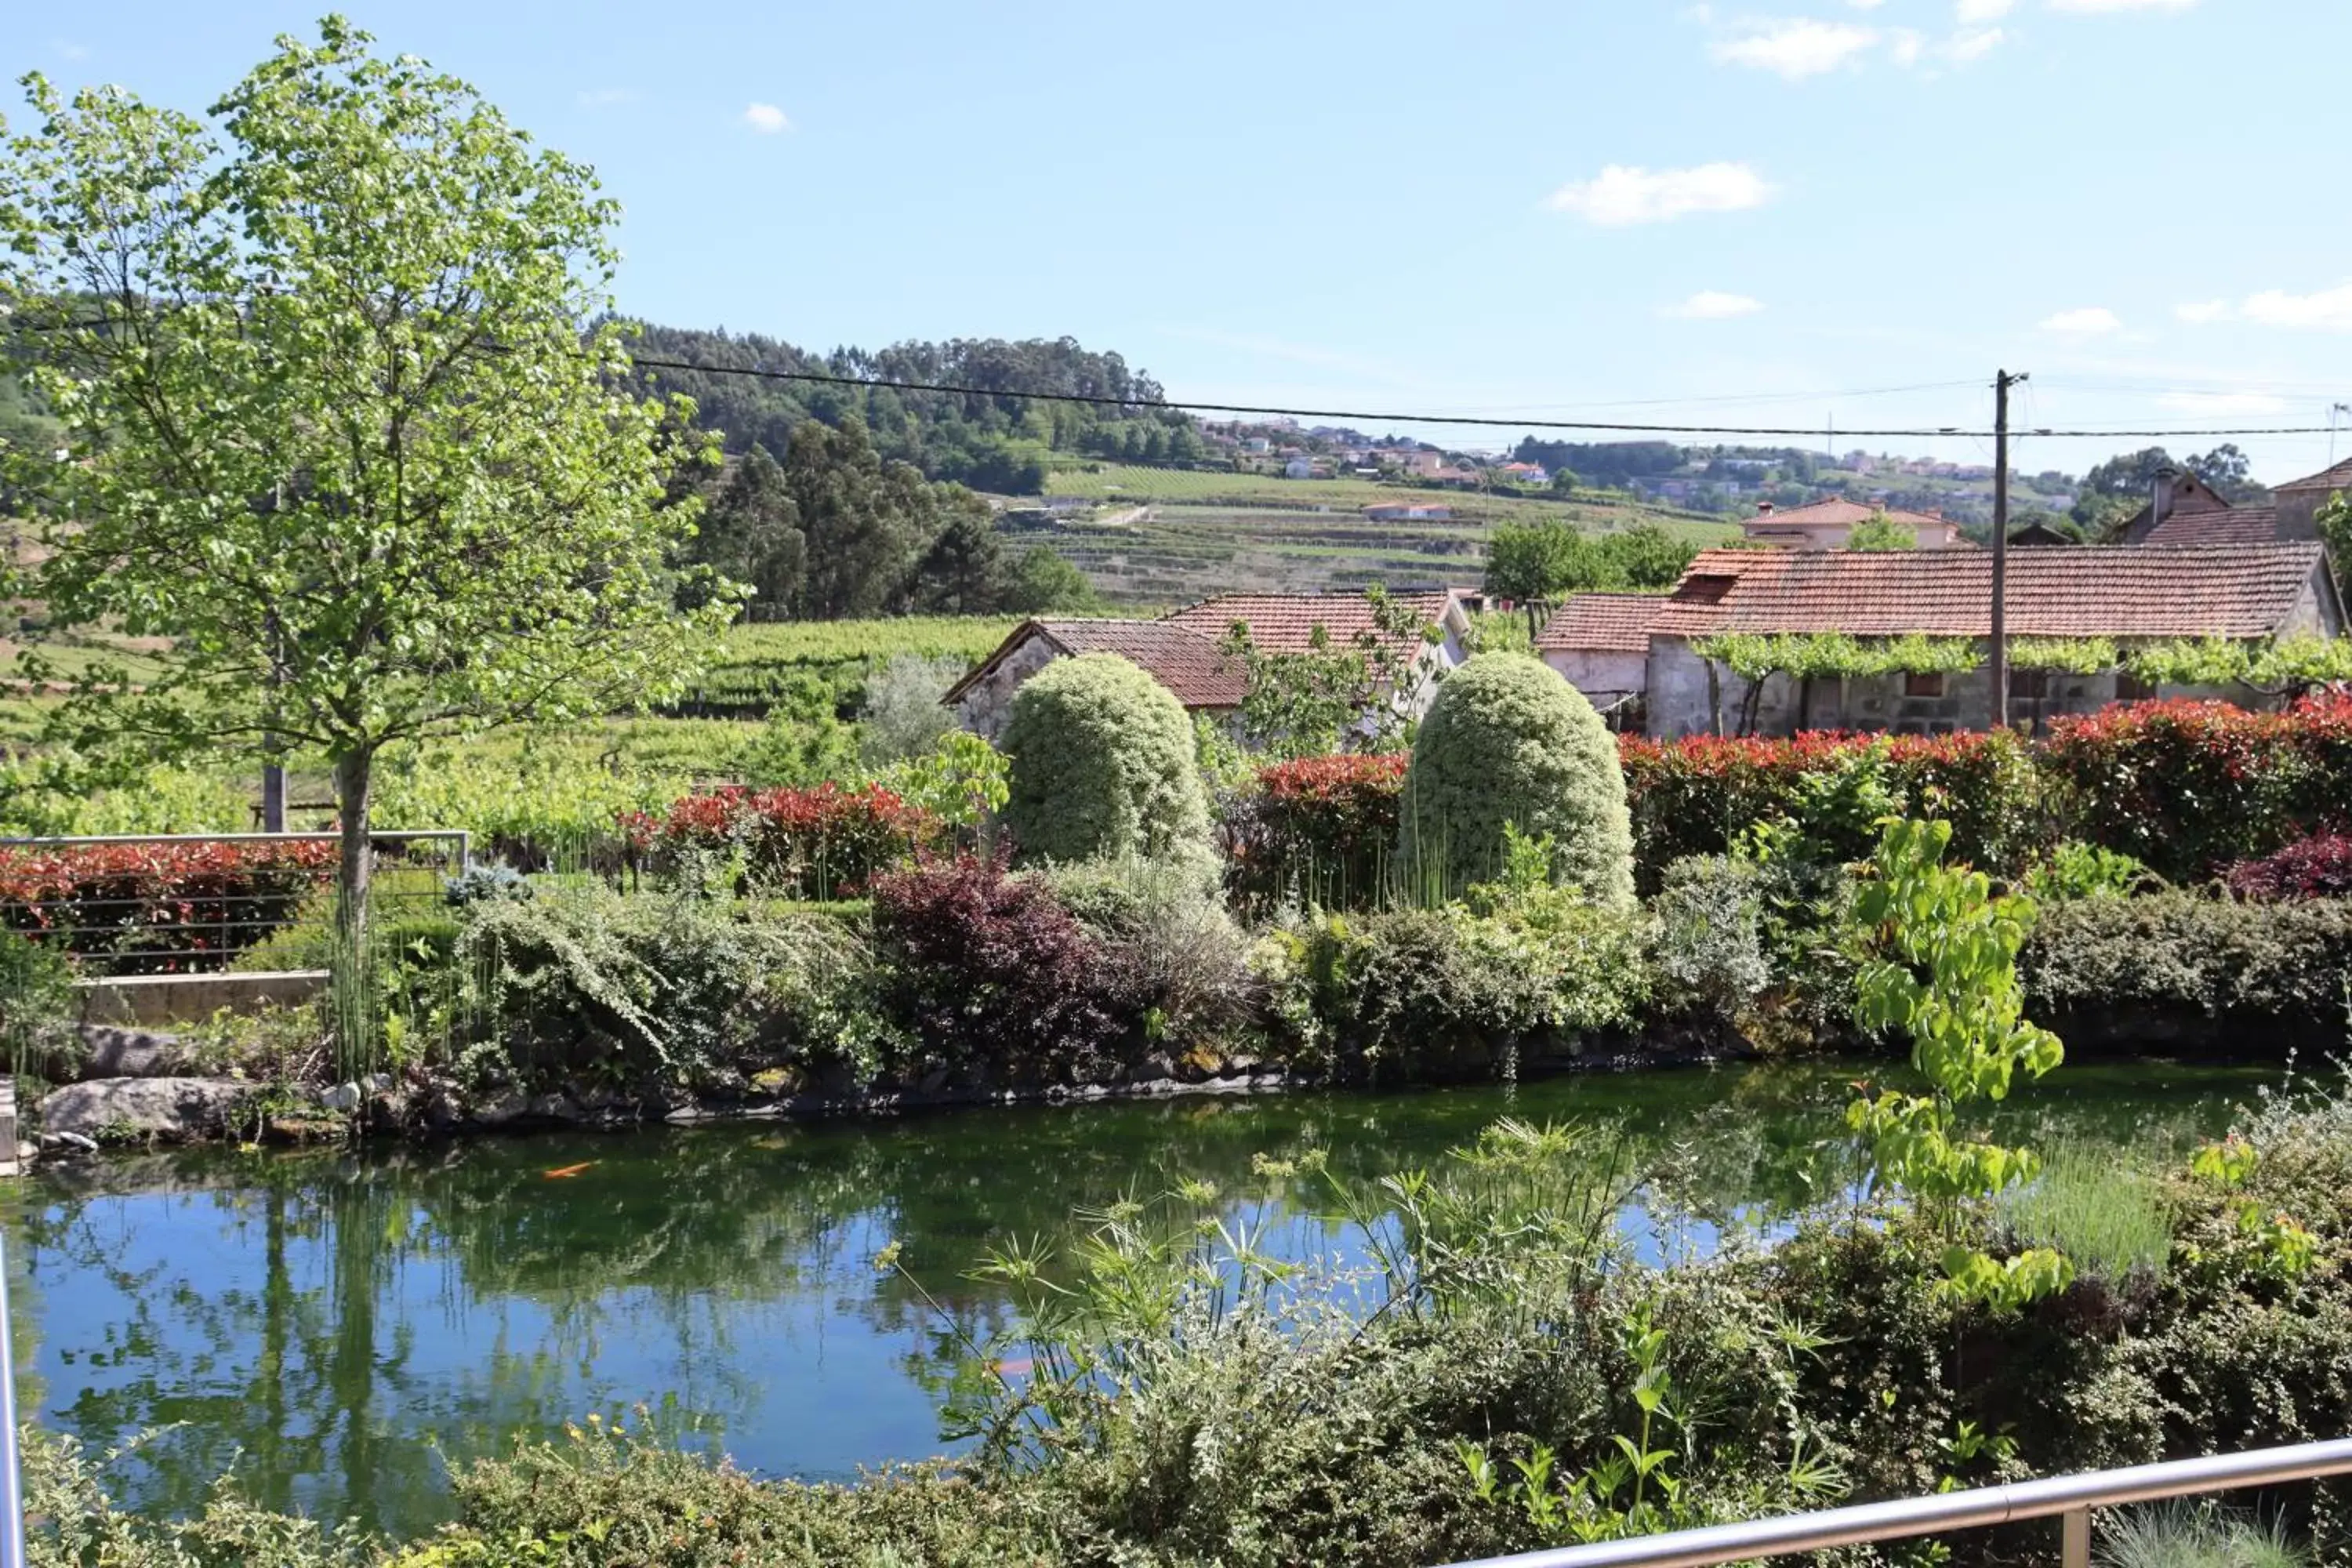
pixel 1044 582
pixel 1532 564
pixel 2335 523
pixel 1103 765
pixel 339 384
pixel 1510 745
pixel 1880 532
pixel 751 532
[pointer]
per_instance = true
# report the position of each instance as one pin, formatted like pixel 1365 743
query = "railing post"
pixel 2074 1549
pixel 12 1481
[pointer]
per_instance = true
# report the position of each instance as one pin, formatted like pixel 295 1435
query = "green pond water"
pixel 336 1326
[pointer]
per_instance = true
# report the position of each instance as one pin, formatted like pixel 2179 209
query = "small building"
pixel 1828 524
pixel 1184 650
pixel 1205 679
pixel 2184 510
pixel 1600 643
pixel 1409 511
pixel 1526 474
pixel 2130 595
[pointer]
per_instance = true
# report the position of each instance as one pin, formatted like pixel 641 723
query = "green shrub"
pixel 2113 1224
pixel 2185 967
pixel 1508 742
pixel 1103 766
pixel 1174 953
pixel 1710 943
pixel 902 715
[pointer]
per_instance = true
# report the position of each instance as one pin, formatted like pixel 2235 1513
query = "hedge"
pixel 820 842
pixel 160 907
pixel 2190 788
pixel 1103 765
pixel 1321 828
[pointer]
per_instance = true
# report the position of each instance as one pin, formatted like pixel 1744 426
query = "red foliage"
pixel 1326 824
pixel 158 908
pixel 2191 786
pixel 1696 795
pixel 2315 868
pixel 989 969
pixel 823 842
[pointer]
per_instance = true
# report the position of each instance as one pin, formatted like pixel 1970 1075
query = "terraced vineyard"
pixel 761 660
pixel 1164 552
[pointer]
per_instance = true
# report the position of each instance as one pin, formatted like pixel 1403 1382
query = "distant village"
pixel 1718 480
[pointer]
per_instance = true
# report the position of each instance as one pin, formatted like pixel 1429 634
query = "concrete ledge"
pixel 146 1001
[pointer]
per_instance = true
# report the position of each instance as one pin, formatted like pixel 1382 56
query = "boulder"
pixel 103 1050
pixel 126 1110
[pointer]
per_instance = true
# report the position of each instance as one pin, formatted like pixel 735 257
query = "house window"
pixel 1928 683
pixel 2029 685
pixel 2130 687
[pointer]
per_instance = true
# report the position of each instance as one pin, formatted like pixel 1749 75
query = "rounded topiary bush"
pixel 1102 766
pixel 1510 742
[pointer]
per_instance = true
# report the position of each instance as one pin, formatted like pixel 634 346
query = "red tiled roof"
pixel 1285 623
pixel 1820 513
pixel 1601 623
pixel 2139 591
pixel 2216 525
pixel 2338 478
pixel 1179 658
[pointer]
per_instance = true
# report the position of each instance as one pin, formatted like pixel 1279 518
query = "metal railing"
pixel 166 916
pixel 2071 1498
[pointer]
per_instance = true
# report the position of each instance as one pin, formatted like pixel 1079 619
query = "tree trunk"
pixel 354 775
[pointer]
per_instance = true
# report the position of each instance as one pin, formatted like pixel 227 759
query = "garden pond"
pixel 335 1326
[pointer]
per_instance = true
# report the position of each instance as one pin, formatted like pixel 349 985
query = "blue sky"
pixel 1598 208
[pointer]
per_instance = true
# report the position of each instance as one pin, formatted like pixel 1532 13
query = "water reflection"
pixel 332 1325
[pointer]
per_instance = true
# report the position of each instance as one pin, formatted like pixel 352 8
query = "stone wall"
pixel 984 708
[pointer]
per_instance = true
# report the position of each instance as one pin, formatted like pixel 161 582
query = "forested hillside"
pixel 1001 442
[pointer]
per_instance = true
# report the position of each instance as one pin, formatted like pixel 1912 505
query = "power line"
pixel 1372 417
pixel 1945 432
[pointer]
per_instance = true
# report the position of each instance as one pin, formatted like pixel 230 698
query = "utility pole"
pixel 1997 664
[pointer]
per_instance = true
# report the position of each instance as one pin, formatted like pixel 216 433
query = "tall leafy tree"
pixel 750 531
pixel 339 424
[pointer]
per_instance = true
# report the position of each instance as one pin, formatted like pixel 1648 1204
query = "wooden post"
pixel 1997 664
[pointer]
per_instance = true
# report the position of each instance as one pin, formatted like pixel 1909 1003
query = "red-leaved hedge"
pixel 158 908
pixel 825 842
pixel 2190 787
pixel 1323 825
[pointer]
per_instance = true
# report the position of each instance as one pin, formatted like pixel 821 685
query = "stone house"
pixel 2183 510
pixel 2146 594
pixel 1600 643
pixel 1183 650
pixel 1828 524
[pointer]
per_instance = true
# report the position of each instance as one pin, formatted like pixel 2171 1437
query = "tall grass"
pixel 2109 1218
pixel 2185 1535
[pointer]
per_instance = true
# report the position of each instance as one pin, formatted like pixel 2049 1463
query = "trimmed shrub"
pixel 820 842
pixel 1102 766
pixel 2186 968
pixel 1698 794
pixel 2190 787
pixel 992 975
pixel 1508 742
pixel 1320 828
pixel 158 908
pixel 2317 867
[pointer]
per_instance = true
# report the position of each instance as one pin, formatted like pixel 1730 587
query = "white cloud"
pixel 607 97
pixel 1620 195
pixel 1796 47
pixel 1906 46
pixel 1971 13
pixel 1865 5
pixel 2198 313
pixel 2330 310
pixel 2110 5
pixel 766 118
pixel 1712 305
pixel 1964 47
pixel 70 50
pixel 2217 405
pixel 2091 321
